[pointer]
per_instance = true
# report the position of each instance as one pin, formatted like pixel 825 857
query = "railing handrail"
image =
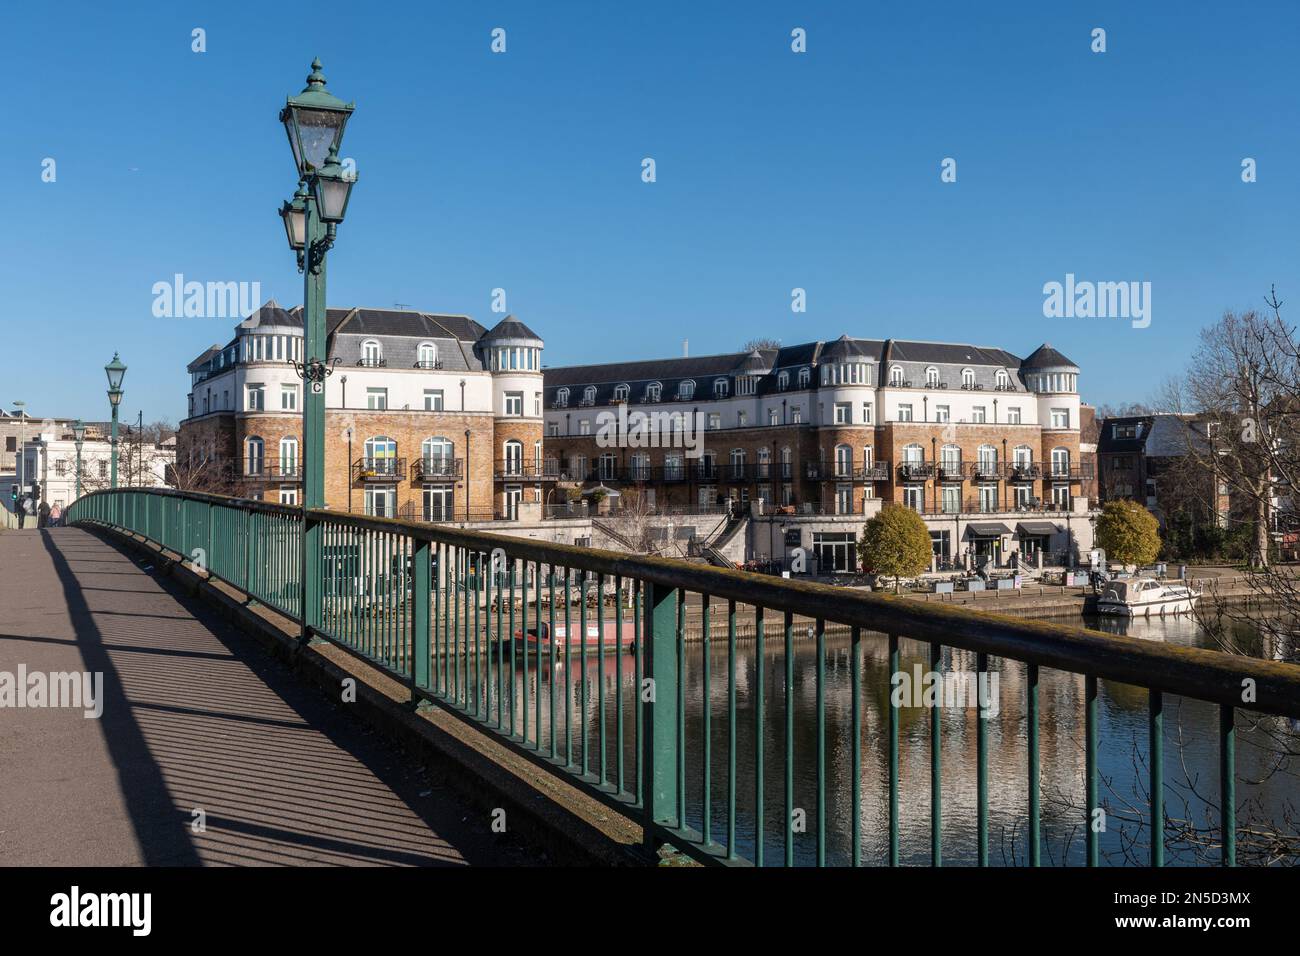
pixel 1193 672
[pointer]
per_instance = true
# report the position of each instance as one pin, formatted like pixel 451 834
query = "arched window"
pixel 372 354
pixel 289 457
pixel 719 388
pixel 514 458
pixel 381 455
pixel 988 458
pixel 843 461
pixel 1060 462
pixel 620 393
pixel 913 454
pixel 783 381
pixel 805 376
pixel 1004 380
pixel 561 398
pixel 589 395
pixel 1023 456
pixel 686 391
pixel 931 377
pixel 787 462
pixel 737 463
pixel 438 456
pixel 896 375
pixel 428 355
pixel 968 378
pixel 254 456
pixel 950 457
pixel 653 392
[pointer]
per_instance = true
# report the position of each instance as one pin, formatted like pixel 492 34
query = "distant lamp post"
pixel 115 371
pixel 21 406
pixel 314 121
pixel 79 433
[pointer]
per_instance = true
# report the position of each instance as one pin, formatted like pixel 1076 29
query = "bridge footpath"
pixel 195 718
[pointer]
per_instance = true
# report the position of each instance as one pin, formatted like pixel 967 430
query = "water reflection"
pixel 1191 749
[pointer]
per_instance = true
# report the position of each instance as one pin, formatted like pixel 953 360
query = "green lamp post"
pixel 314 121
pixel 115 371
pixel 79 433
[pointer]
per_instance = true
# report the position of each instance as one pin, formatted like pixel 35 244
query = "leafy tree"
pixel 896 543
pixel 1128 533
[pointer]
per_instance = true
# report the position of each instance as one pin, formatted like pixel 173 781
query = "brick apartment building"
pixel 429 417
pixel 1156 461
pixel 831 430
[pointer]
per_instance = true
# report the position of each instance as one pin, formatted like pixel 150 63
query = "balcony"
pixel 984 470
pixel 437 469
pixel 378 469
pixel 1025 471
pixel 1070 473
pixel 916 470
pixel 270 469
pixel 365 362
pixel 429 364
pixel 513 469
pixel 951 471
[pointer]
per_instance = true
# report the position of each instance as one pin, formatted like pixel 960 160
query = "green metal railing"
pixel 449 612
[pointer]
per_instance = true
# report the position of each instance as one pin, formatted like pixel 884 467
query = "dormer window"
pixel 589 395
pixel 653 392
pixel 372 355
pixel 621 393
pixel 1003 381
pixel 562 398
pixel 896 375
pixel 783 381
pixel 931 377
pixel 720 388
pixel 968 378
pixel 428 356
pixel 805 376
pixel 686 391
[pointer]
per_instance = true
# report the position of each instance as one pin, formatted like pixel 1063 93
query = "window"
pixel 433 399
pixel 783 381
pixel 737 463
pixel 254 456
pixel 584 427
pixel 987 457
pixel 805 376
pixel 381 457
pixel 866 413
pixel 1013 415
pixel 514 403
pixel 562 398
pixel 968 378
pixel 103 468
pixel 1061 497
pixel 377 399
pixel 653 392
pixel 256 398
pixel 673 470
pixel 514 458
pixel 746 384
pixel 719 388
pixel 988 498
pixel 288 467
pixel 741 419
pixel 950 460
pixel 1124 431
pixel 61 467
pixel 931 377
pixel 589 395
pixel 1060 462
pixel 942 413
pixel 288 496
pixel 1023 456
pixel 914 497
pixel 773 417
pixel 288 398
pixel 843 461
pixel 951 500
pixel 904 413
pixel 913 454
pixel 843 413
pixel 1003 381
pixel 715 420
pixel 796 414
pixel 552 429
pixel 428 356
pixel 686 391
pixel 896 375
pixel 381 501
pixel 621 393
pixel 608 466
pixel 1060 418
pixel 977 414
pixel 371 354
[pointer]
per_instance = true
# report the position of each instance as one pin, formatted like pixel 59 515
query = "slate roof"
pixel 510 328
pixel 1047 357
pixel 1106 444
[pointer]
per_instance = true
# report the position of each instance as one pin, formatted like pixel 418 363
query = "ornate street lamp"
pixel 115 371
pixel 314 121
pixel 79 433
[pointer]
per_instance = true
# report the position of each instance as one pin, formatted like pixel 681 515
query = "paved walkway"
pixel 195 718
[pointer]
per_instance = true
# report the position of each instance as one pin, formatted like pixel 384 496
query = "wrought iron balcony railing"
pixel 270 468
pixel 916 470
pixel 437 469
pixel 378 469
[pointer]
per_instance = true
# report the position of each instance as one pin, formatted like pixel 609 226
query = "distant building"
pixel 1159 461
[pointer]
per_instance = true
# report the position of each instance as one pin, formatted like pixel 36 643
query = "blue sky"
pixel 774 170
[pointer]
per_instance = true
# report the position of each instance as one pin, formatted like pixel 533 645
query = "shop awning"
pixel 987 529
pixel 1036 528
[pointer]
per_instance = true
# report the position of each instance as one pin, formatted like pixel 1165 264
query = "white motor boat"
pixel 1143 597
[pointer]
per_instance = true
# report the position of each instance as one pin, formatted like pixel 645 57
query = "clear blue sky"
pixel 775 170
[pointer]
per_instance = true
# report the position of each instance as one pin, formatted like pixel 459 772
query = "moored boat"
pixel 1144 597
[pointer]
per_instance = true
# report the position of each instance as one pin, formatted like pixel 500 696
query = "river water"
pixel 1190 764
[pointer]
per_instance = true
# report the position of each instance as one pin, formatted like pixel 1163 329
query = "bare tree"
pixel 761 344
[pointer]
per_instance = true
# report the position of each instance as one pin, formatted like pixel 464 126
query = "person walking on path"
pixel 21 510
pixel 56 516
pixel 43 515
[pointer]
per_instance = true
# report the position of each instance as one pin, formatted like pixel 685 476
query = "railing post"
pixel 659 698
pixel 420 621
pixel 310 591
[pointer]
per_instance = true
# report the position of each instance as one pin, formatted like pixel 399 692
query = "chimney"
pixel 686 348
